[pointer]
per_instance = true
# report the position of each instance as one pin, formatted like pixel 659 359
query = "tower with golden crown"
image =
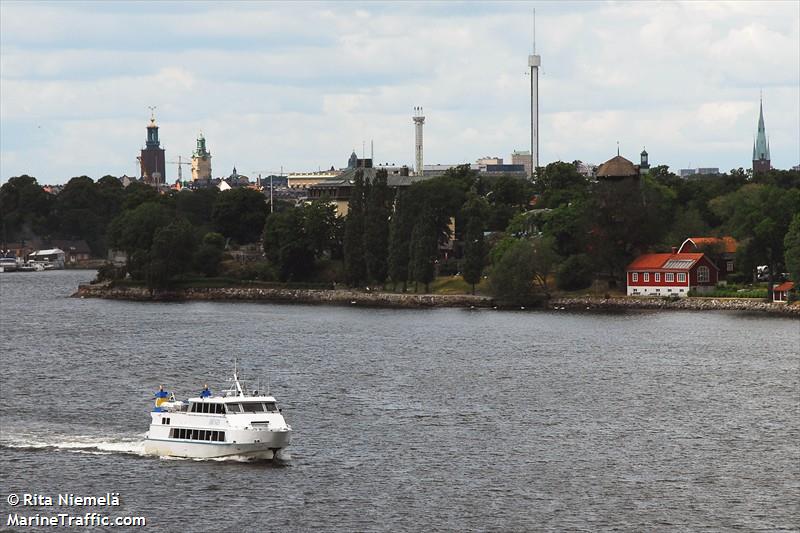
pixel 201 161
pixel 151 158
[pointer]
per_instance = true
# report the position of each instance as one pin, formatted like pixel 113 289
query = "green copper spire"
pixel 761 146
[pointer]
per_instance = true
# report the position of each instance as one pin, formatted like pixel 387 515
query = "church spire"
pixel 761 157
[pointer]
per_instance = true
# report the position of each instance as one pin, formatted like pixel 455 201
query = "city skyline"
pixel 299 86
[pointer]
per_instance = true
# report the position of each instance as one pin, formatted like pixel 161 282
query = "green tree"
pixel 627 217
pixel 759 217
pixel 474 247
pixel 560 183
pixel 402 224
pixel 575 273
pixel 354 263
pixel 138 193
pixel 791 246
pixel 208 256
pixel 507 196
pixel 512 278
pixel 424 249
pixel 132 232
pixel 197 206
pixel 376 229
pixel 24 209
pixel 320 224
pixel 239 214
pixel 81 213
pixel 287 244
pixel 171 253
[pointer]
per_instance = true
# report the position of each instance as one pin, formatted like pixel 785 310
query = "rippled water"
pixel 405 420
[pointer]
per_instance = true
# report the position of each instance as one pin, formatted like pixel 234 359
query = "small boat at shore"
pixel 237 424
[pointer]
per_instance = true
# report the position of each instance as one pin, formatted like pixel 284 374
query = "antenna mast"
pixel 534 61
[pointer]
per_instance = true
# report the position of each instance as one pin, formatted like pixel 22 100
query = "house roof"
pixel 728 243
pixel 677 261
pixel 617 166
pixel 785 286
pixel 79 247
pixel 345 179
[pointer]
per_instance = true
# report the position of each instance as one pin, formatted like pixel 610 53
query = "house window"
pixel 669 277
pixel 647 276
pixel 681 277
pixel 658 276
pixel 635 277
pixel 729 266
pixel 703 275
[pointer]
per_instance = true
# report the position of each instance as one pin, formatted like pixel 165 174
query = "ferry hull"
pixel 217 450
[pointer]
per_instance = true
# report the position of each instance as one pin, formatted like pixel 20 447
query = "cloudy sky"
pixel 300 85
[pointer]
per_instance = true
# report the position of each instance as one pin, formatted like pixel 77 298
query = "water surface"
pixel 411 420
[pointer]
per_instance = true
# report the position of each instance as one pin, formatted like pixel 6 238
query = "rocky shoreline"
pixel 754 305
pixel 416 301
pixel 286 295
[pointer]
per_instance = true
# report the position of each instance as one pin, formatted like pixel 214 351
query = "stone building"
pixel 151 158
pixel 201 161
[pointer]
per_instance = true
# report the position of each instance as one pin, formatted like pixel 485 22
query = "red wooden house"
pixel 722 250
pixel 673 274
pixel 780 293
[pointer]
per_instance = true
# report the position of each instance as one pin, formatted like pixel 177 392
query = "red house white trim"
pixel 780 293
pixel 672 274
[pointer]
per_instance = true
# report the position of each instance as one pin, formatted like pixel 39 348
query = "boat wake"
pixel 92 445
pixel 76 443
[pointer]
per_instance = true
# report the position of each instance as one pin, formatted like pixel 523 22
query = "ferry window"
pixel 208 435
pixel 234 407
pixel 253 407
pixel 271 407
pixel 220 409
pixel 193 408
pixel 221 436
pixel 172 433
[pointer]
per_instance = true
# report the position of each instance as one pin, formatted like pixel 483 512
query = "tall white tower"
pixel 419 120
pixel 534 61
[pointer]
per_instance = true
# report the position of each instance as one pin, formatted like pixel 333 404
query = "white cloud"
pixel 300 85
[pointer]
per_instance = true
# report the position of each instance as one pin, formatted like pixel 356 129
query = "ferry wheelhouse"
pixel 239 423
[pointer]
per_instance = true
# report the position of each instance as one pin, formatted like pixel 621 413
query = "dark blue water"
pixel 431 420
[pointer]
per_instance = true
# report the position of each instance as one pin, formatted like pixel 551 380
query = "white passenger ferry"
pixel 239 423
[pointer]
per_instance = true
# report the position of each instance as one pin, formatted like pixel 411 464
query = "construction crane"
pixel 180 164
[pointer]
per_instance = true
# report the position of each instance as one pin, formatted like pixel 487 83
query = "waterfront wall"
pixel 410 300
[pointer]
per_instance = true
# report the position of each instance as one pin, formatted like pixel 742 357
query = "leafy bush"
pixel 575 273
pixel 110 272
pixel 512 278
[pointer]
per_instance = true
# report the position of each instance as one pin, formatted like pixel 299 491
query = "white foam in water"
pixel 77 443
pixel 88 444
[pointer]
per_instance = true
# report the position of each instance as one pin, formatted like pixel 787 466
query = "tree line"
pixel 565 229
